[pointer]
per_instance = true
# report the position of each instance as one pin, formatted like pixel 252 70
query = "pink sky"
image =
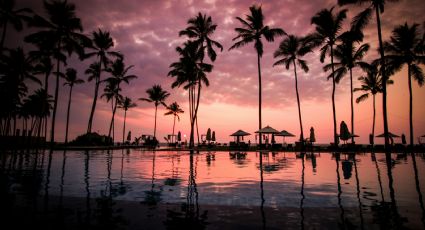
pixel 146 32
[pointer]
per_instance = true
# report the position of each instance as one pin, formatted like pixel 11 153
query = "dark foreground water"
pixel 133 189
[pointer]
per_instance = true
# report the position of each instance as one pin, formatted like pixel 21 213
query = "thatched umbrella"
pixel 267 130
pixel 284 134
pixel 238 134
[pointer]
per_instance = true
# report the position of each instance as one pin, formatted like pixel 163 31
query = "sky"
pixel 146 32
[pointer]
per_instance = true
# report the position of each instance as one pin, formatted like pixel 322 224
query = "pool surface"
pixel 135 189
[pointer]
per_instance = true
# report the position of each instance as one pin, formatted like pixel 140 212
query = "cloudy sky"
pixel 146 32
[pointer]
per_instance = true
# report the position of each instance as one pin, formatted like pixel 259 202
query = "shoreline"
pixel 224 148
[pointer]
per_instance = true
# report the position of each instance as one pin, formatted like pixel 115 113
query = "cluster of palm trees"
pixel 60 35
pixel 346 52
pixel 57 37
pixel 190 71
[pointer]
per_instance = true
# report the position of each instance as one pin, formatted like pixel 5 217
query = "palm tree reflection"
pixel 418 188
pixel 189 215
pixel 302 192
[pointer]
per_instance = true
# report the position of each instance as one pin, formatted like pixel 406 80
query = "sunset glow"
pixel 146 32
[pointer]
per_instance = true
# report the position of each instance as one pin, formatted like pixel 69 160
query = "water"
pixel 212 190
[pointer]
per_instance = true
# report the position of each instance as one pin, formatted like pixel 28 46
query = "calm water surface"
pixel 213 189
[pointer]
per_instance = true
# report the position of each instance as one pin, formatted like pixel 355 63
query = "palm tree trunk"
pixel 46 88
pixel 55 103
pixel 192 122
pixel 373 124
pixel 174 124
pixel 67 114
pixel 352 106
pixel 123 129
pixel 384 80
pixel 154 129
pixel 196 109
pixel 410 106
pixel 114 108
pixel 299 106
pixel 96 91
pixel 259 95
pixel 3 36
pixel 333 97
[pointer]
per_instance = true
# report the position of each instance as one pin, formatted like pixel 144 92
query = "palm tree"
pixel 10 15
pixel 126 104
pixel 37 106
pixel 112 93
pixel 252 30
pixel 290 50
pixel 349 57
pixel 15 69
pixel 174 109
pixel 359 22
pixel 371 84
pixel 199 30
pixel 328 26
pixel 188 71
pixel 157 96
pixel 102 42
pixel 60 33
pixel 71 80
pixel 406 47
pixel 118 70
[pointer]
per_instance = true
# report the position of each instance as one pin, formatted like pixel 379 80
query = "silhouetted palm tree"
pixel 291 49
pixel 8 14
pixel 349 57
pixel 15 68
pixel 359 22
pixel 174 109
pixel 71 80
pixel 118 70
pixel 126 104
pixel 199 30
pixel 371 84
pixel 252 30
pixel 328 26
pixel 189 70
pixel 406 47
pixel 157 96
pixel 43 65
pixel 59 33
pixel 38 106
pixel 102 42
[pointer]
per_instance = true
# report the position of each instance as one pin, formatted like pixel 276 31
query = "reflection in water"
pixel 418 188
pixel 358 191
pixel 189 214
pixel 302 192
pixel 338 177
pixel 71 188
pixel 263 215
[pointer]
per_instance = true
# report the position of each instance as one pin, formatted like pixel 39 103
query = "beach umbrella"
pixel 344 132
pixel 239 133
pixel 312 136
pixel 267 130
pixel 284 134
pixel 208 135
pixel 129 136
pixel 179 136
pixel 213 136
pixel 403 139
pixel 389 134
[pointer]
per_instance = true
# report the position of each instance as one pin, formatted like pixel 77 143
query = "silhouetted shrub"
pixel 92 139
